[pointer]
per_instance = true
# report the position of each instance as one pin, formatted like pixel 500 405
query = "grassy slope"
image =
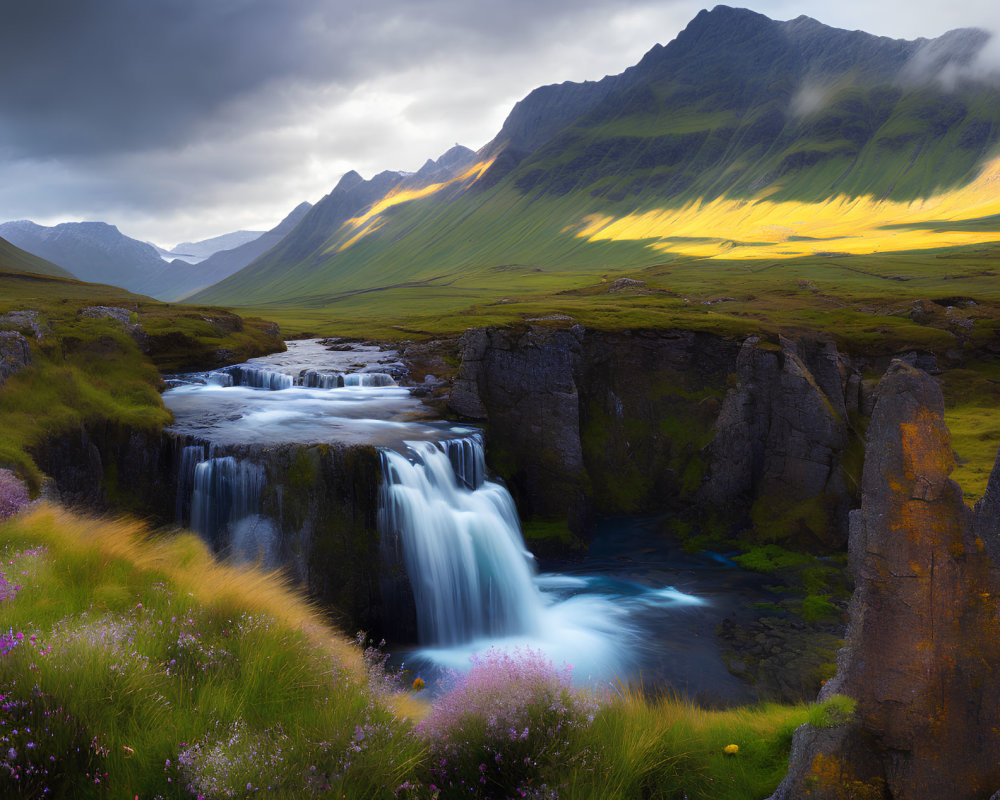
pixel 146 668
pixel 86 370
pixel 14 259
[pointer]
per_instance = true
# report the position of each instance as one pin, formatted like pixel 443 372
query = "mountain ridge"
pixel 737 107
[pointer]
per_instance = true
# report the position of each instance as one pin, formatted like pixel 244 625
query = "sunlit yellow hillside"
pixel 372 220
pixel 761 228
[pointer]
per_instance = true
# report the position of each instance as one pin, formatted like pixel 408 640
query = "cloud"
pixel 180 119
pixel 165 115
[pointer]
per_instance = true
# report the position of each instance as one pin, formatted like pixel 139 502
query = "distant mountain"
pixel 224 263
pixel 14 259
pixel 94 252
pixel 350 198
pixel 196 252
pixel 99 253
pixel 826 131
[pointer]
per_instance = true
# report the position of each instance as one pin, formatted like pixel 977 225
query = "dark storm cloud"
pixel 112 75
pixel 179 119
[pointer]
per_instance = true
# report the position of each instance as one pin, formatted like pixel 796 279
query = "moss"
pixel 304 471
pixel 818 608
pixel 551 530
pixel 777 519
pixel 770 558
pixel 836 710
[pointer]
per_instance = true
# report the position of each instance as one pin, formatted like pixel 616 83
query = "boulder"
pixel 15 354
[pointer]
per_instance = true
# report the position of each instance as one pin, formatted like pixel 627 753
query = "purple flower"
pixel 13 494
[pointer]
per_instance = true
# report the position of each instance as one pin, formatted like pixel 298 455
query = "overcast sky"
pixel 183 119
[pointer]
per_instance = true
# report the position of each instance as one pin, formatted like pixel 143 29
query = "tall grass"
pixel 178 672
pixel 135 664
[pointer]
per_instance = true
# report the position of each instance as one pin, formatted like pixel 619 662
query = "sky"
pixel 177 120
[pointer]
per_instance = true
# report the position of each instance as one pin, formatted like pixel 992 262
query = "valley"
pixel 649 450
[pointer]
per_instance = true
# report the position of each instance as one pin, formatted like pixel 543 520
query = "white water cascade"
pixel 470 571
pixel 474 581
pixel 225 492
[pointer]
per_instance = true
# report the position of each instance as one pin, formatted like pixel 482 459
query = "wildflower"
pixel 129 752
pixel 731 749
pixel 418 684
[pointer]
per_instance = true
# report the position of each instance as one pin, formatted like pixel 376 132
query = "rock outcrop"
pixel 583 421
pixel 524 385
pixel 317 509
pixel 15 354
pixel 780 440
pixel 923 646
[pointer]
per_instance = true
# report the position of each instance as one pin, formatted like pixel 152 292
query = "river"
pixel 633 608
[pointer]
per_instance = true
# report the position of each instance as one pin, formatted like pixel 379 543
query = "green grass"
pixel 148 665
pixel 154 651
pixel 670 748
pixel 86 371
pixel 14 259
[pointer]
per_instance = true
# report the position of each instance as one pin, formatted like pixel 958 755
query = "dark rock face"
pixel 923 647
pixel 780 439
pixel 321 500
pixel 524 385
pixel 583 421
pixel 15 354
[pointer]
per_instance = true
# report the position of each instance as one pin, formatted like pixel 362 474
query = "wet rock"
pixel 923 645
pixel 522 383
pixel 580 420
pixel 15 354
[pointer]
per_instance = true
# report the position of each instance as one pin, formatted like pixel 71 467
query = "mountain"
pixel 94 252
pixel 743 137
pixel 14 259
pixel 196 252
pixel 223 263
pixel 99 253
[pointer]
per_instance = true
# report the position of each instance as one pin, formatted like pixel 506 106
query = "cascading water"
pixel 474 581
pixel 225 500
pixel 259 378
pixel 470 571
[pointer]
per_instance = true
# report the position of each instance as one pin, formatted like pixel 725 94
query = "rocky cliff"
pixel 315 515
pixel 15 354
pixel 781 437
pixel 582 421
pixel 923 647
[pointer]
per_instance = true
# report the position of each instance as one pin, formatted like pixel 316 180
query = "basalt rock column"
pixel 923 647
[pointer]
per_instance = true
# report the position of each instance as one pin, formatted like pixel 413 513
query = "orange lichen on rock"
pixel 923 647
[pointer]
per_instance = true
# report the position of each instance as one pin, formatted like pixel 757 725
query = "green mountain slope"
pixel 14 259
pixel 738 107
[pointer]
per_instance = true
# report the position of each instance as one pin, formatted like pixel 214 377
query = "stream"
pixel 633 608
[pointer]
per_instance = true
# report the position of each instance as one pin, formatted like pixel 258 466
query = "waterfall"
pixel 471 574
pixel 191 456
pixel 225 491
pixel 367 379
pixel 256 377
pixel 259 377
pixel 315 379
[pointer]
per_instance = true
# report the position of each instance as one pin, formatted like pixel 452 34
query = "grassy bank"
pixel 134 664
pixel 87 367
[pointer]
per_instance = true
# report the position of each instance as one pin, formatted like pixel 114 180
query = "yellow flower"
pixel 418 684
pixel 731 749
